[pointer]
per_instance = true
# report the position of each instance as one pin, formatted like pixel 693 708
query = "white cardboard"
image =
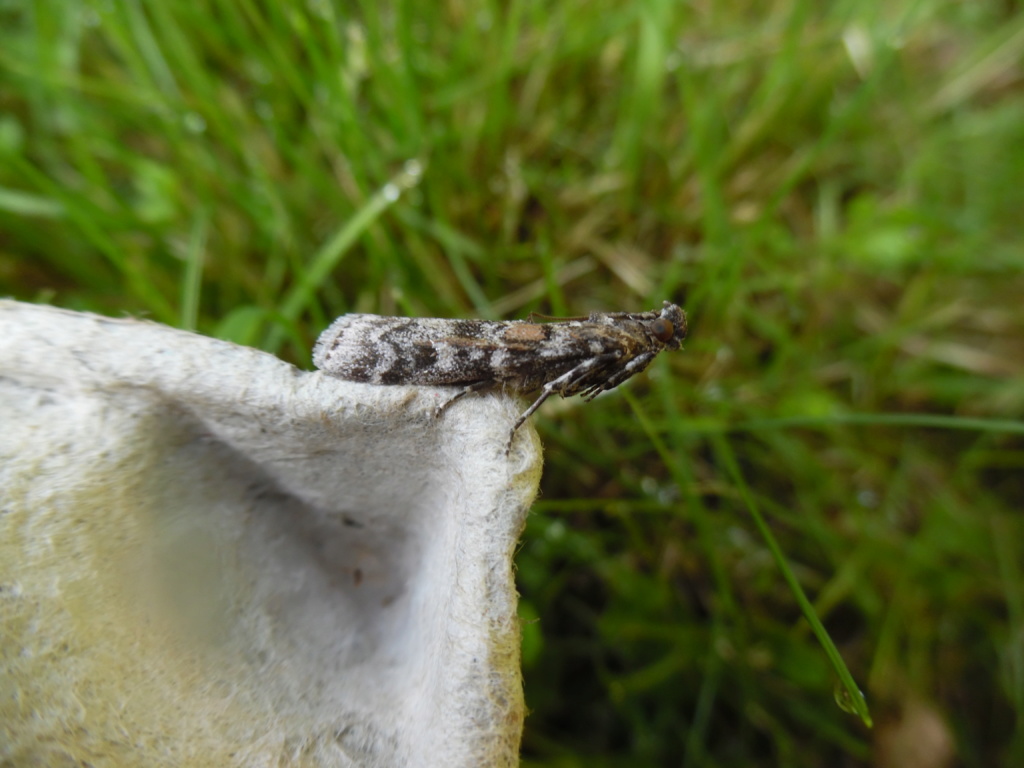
pixel 211 558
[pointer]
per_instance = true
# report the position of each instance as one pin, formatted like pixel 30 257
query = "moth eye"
pixel 662 329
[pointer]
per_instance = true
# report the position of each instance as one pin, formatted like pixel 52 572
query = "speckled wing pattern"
pixel 567 357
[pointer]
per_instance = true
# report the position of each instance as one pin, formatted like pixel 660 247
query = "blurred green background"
pixel 834 191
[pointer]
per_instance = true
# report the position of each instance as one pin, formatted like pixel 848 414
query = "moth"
pixel 572 356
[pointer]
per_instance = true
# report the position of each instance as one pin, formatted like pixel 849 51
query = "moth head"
pixel 669 327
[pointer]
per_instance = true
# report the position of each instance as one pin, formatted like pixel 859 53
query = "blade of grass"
pixel 938 421
pixel 854 698
pixel 332 253
pixel 192 280
pixel 710 426
pixel 81 214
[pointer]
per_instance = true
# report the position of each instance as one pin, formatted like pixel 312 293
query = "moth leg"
pixel 633 367
pixel 563 385
pixel 477 387
pixel 544 395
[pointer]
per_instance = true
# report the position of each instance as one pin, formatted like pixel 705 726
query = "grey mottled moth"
pixel 575 356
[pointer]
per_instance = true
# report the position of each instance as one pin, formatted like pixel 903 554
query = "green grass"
pixel 833 190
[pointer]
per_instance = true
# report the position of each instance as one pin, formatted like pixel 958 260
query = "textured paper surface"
pixel 209 557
